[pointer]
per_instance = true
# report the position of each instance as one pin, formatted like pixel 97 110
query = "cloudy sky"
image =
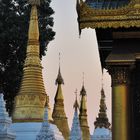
pixel 78 55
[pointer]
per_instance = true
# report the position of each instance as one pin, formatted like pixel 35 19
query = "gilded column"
pixel 120 103
pixel 30 101
pixel 83 115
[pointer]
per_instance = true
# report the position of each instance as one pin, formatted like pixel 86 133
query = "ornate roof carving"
pixel 59 79
pixel 127 16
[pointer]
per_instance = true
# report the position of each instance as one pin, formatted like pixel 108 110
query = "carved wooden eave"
pixel 127 16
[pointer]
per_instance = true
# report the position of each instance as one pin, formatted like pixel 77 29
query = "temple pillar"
pixel 120 102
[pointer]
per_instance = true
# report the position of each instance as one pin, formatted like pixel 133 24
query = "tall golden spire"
pixel 30 101
pixel 102 120
pixel 83 115
pixel 59 115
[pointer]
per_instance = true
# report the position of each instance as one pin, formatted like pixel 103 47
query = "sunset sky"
pixel 78 55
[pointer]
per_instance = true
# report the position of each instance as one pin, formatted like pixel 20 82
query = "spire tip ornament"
pixel 76 105
pixel 59 79
pixel 83 91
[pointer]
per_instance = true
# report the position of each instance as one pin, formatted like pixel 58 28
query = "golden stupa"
pixel 31 99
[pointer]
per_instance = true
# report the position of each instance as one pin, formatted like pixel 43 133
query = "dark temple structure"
pixel 117 25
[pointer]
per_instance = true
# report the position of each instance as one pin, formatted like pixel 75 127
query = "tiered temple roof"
pixel 108 13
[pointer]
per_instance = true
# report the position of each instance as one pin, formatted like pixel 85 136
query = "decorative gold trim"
pixel 128 16
pixel 120 75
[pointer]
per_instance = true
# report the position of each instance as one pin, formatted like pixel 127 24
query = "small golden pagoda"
pixel 31 99
pixel 59 115
pixel 83 115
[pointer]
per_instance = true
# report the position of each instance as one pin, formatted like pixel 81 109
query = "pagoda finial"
pixel 83 91
pixel 83 78
pixel 59 79
pixel 102 81
pixel 59 58
pixel 102 120
pixel 76 105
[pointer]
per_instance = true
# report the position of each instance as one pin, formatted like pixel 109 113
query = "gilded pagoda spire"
pixel 102 120
pixel 59 81
pixel 30 101
pixel 59 115
pixel 83 114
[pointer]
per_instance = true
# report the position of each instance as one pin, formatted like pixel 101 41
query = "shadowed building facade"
pixel 117 25
pixel 59 115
